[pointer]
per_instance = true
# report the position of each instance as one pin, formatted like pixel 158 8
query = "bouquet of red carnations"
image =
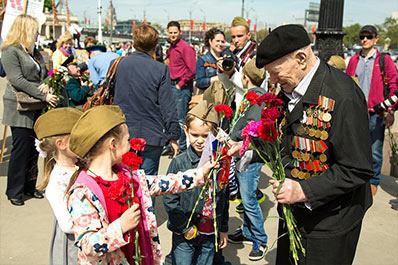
pixel 267 144
pixel 133 162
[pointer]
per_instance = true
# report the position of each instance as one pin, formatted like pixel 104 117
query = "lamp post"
pixel 329 35
pixel 99 22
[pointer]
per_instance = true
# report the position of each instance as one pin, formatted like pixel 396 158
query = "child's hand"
pixel 223 240
pixel 130 218
pixel 208 166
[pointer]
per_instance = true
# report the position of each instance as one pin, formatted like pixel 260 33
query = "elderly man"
pixel 323 106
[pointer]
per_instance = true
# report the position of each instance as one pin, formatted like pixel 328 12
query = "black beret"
pixel 280 42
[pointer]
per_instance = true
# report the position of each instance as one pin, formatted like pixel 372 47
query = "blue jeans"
pixel 182 98
pixel 150 162
pixel 150 159
pixel 184 251
pixel 253 222
pixel 377 128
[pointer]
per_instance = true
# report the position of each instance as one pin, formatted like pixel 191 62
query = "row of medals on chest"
pixel 314 123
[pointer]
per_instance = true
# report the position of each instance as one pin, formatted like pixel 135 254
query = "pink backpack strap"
pixel 90 183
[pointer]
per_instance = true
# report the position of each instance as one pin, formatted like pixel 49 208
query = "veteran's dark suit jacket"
pixel 341 195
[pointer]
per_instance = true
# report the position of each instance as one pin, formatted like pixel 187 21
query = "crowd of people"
pixel 331 140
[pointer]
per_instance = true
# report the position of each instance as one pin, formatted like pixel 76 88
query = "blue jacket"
pixel 144 93
pixel 179 206
pixel 203 74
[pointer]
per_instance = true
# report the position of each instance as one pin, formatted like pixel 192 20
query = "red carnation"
pixel 132 160
pixel 267 130
pixel 252 97
pixel 270 113
pixel 269 98
pixel 223 109
pixel 137 144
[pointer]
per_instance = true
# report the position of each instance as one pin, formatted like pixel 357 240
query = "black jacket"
pixel 341 195
pixel 143 92
pixel 179 206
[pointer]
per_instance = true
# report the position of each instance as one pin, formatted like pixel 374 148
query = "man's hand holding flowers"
pixel 290 192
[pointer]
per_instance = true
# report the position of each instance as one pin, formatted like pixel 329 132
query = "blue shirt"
pixel 204 73
pixel 364 72
pixel 98 66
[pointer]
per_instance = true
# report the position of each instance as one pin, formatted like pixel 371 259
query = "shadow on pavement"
pixel 389 184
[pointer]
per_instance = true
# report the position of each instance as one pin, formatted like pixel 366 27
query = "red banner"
pixel 254 28
pixel 249 21
pixel 204 26
pixel 191 24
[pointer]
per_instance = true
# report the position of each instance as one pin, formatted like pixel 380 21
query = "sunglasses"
pixel 369 37
pixel 215 30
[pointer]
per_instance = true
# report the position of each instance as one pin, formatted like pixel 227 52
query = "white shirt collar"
pixel 302 87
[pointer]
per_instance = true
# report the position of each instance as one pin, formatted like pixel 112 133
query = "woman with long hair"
pixel 64 49
pixel 25 69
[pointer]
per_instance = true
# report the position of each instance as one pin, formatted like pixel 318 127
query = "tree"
pixel 48 4
pixel 391 26
pixel 352 33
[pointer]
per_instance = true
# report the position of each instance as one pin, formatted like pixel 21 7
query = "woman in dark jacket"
pixel 25 70
pixel 206 65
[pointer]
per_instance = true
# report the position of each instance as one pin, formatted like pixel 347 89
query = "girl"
pixel 102 220
pixel 53 129
pixel 197 240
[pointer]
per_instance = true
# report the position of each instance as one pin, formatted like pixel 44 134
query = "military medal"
pixel 323 158
pixel 309 112
pixel 295 154
pixel 317 133
pixel 307 175
pixel 327 117
pixel 306 157
pixel 294 172
pixel 300 130
pixel 301 175
pixel 324 135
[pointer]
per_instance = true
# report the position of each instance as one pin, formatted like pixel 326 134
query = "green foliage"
pixel 48 4
pixel 352 33
pixel 157 26
pixel 389 29
pixel 261 34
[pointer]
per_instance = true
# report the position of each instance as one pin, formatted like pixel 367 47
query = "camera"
pixel 229 60
pixel 379 108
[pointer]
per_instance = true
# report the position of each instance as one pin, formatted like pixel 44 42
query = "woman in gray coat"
pixel 25 71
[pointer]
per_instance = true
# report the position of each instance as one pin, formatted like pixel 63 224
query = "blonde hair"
pixel 64 38
pixel 22 32
pixel 48 145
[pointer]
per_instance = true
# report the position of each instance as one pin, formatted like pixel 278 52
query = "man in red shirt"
pixel 182 64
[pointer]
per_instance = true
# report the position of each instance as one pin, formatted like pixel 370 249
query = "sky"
pixel 266 12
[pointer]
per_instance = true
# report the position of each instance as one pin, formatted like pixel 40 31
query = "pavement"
pixel 25 231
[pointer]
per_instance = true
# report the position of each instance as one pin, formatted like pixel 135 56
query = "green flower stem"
pixel 214 209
